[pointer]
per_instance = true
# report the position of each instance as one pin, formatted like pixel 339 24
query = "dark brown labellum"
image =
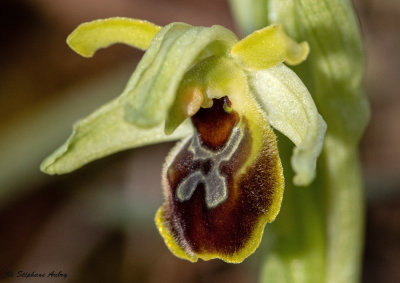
pixel 214 204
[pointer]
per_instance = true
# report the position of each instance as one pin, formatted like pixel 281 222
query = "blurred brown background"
pixel 96 224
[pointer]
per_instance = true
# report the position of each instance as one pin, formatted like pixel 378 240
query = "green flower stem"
pixel 298 254
pixel 333 74
pixel 335 69
pixel 319 230
pixel 345 204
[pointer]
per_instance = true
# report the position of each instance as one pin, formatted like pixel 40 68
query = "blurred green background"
pixel 96 224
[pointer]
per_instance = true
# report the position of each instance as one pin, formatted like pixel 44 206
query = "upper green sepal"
pixel 156 80
pixel 213 77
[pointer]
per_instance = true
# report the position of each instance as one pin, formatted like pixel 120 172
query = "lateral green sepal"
pixel 291 110
pixel 102 133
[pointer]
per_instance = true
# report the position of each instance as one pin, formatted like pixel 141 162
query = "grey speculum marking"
pixel 215 184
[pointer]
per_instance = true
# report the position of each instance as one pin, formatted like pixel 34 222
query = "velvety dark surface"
pixel 215 124
pixel 226 228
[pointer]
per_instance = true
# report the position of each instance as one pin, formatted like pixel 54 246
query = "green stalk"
pixel 298 254
pixel 345 206
pixel 330 234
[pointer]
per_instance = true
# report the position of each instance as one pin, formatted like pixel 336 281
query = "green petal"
pixel 87 38
pixel 102 133
pixel 268 47
pixel 173 51
pixel 291 110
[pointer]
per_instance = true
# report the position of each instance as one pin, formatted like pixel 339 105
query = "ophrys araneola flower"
pixel 224 181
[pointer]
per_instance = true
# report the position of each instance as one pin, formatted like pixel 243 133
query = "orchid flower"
pixel 223 181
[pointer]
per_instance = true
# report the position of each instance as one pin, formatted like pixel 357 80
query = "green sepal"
pixel 102 133
pixel 291 110
pixel 213 77
pixel 174 50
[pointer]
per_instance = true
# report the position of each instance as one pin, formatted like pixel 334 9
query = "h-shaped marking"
pixel 215 184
